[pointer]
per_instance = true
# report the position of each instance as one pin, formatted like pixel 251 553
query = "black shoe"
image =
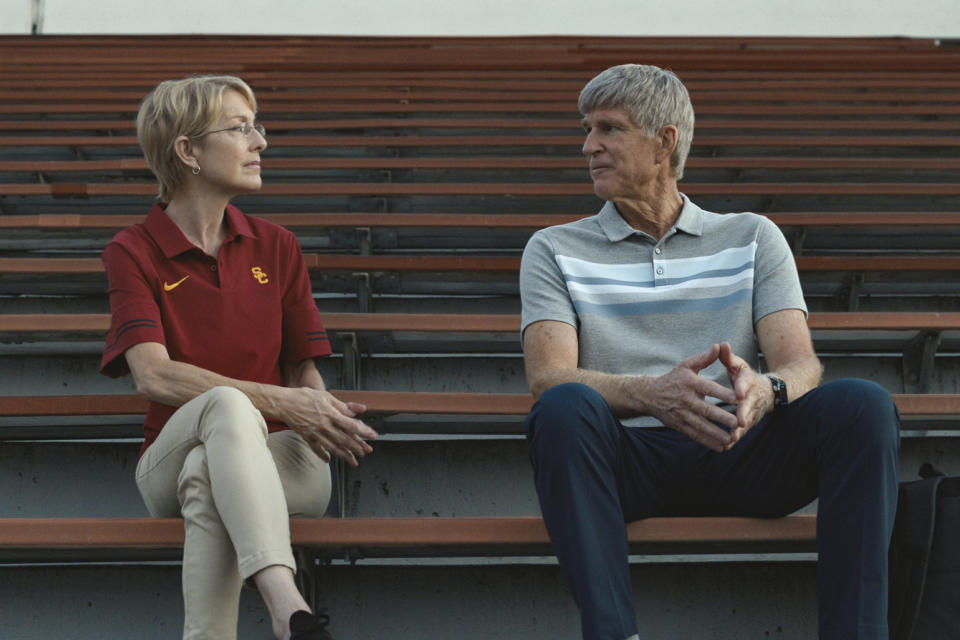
pixel 306 626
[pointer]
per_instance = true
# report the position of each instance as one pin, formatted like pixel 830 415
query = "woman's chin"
pixel 250 186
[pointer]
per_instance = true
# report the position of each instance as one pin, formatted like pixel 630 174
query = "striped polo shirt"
pixel 641 306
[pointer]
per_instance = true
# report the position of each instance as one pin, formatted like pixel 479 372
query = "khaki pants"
pixel 235 485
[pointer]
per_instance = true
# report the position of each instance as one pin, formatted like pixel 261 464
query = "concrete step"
pixel 473 602
pixel 424 477
pixel 809 233
pixel 35 369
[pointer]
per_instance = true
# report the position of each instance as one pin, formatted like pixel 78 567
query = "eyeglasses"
pixel 245 130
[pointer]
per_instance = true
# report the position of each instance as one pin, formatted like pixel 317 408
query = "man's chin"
pixel 601 192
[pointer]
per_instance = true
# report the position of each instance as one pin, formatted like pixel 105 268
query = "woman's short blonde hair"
pixel 175 108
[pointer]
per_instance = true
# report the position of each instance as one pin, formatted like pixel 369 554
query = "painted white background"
pixel 922 18
pixel 14 17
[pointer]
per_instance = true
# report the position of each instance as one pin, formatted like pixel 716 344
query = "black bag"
pixel 925 560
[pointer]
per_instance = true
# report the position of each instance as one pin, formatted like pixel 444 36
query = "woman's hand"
pixel 328 425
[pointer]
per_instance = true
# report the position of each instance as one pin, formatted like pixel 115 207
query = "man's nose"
pixel 590 145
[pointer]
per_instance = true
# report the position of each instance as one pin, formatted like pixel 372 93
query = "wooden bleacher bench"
pixel 280 81
pixel 381 403
pixel 378 402
pixel 127 125
pixel 767 110
pixel 409 94
pixel 557 53
pixel 571 142
pixel 299 221
pixel 23 325
pixel 500 162
pixel 47 539
pixel 515 189
pixel 487 264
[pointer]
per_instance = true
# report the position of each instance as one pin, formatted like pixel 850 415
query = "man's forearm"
pixel 800 377
pixel 623 393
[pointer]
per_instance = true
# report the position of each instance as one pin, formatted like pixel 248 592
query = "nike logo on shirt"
pixel 171 287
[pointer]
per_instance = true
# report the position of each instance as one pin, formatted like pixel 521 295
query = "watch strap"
pixel 779 391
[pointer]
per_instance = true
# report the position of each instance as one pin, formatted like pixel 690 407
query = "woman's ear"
pixel 183 147
pixel 668 142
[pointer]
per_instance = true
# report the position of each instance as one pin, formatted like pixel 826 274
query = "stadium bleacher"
pixel 413 170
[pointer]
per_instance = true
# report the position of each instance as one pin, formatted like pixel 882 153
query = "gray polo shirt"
pixel 641 306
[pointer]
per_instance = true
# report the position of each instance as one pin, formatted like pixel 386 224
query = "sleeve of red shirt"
pixel 134 314
pixel 303 333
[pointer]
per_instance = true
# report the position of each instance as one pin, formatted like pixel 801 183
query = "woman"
pixel 213 316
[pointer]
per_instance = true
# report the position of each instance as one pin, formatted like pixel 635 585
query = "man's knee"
pixel 566 414
pixel 864 408
pixel 563 399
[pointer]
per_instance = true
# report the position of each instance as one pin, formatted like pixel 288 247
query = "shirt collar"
pixel 617 229
pixel 171 240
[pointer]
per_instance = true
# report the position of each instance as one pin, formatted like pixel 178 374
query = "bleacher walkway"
pixel 413 170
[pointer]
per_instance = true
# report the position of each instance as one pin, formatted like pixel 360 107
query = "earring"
pixel 196 170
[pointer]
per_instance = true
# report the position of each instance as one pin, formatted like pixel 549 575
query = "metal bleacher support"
pixel 413 171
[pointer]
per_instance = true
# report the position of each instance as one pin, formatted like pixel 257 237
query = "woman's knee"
pixel 227 408
pixel 226 397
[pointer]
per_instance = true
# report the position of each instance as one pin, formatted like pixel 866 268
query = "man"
pixel 641 332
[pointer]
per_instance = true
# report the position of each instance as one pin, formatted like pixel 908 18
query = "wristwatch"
pixel 779 392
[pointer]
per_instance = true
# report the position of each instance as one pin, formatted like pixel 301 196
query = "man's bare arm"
pixel 785 340
pixel 677 398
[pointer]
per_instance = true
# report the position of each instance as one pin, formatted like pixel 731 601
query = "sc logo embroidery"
pixel 259 275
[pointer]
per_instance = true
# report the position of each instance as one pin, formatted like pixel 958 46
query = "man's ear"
pixel 668 142
pixel 183 147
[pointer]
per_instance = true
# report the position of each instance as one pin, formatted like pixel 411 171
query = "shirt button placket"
pixel 658 265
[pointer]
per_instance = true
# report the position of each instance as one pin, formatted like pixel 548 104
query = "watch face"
pixel 779 391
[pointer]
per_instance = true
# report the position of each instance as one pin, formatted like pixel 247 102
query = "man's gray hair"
pixel 653 97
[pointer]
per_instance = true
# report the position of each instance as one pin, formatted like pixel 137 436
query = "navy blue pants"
pixel 839 442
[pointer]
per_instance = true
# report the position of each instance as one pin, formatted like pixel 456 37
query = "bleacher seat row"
pixel 413 170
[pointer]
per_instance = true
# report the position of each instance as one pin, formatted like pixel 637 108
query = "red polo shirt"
pixel 242 314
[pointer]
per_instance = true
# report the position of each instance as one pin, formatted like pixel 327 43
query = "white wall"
pixel 15 17
pixel 925 18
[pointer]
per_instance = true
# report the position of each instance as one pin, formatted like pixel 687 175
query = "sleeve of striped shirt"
pixel 776 284
pixel 543 290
